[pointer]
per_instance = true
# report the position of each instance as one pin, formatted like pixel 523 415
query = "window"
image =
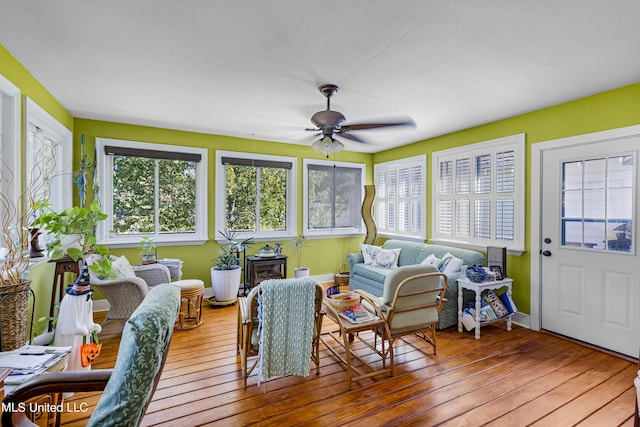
pixel 48 157
pixel 479 194
pixel 332 198
pixel 255 194
pixel 154 190
pixel 9 140
pixel 401 197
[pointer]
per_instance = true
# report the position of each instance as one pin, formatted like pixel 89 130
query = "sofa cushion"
pixel 370 272
pixel 369 252
pixel 432 260
pixel 386 258
pixel 450 264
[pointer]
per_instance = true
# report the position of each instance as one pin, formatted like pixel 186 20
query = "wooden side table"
pixel 347 332
pixel 478 288
pixel 263 268
pixel 64 265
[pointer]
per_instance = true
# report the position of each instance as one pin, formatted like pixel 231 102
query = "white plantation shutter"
pixel 479 193
pixel 400 197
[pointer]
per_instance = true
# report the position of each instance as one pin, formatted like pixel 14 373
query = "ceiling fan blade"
pixel 363 126
pixel 351 137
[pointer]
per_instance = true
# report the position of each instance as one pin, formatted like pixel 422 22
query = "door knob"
pixel 546 253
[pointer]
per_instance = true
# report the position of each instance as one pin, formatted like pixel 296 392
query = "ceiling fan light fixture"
pixel 327 145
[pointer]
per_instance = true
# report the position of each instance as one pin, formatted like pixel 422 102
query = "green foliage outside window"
pixel 256 198
pixel 135 196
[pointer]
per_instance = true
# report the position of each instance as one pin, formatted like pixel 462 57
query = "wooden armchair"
pixel 129 386
pixel 414 308
pixel 248 339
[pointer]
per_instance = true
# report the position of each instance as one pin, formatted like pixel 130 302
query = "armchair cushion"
pixel 122 268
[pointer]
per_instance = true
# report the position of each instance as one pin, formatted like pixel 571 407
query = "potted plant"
pixel 80 224
pixel 226 272
pixel 297 243
pixel 147 250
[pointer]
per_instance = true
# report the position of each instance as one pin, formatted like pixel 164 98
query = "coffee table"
pixel 346 333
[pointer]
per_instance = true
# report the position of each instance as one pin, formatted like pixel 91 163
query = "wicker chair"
pixel 125 294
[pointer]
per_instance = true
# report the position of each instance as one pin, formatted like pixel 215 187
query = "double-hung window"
pixel 332 198
pixel 255 194
pixel 400 206
pixel 479 194
pixel 153 190
pixel 48 171
pixel 9 142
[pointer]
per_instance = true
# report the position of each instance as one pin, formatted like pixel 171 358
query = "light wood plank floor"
pixel 512 378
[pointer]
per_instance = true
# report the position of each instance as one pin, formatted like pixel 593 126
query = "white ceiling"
pixel 251 68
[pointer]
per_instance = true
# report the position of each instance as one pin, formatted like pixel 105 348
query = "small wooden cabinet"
pixel 263 268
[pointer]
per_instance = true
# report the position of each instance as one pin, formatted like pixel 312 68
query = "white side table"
pixel 464 283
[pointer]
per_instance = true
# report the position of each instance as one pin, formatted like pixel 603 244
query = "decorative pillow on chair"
pixel 386 258
pixel 121 268
pixel 432 260
pixel 450 264
pixel 369 252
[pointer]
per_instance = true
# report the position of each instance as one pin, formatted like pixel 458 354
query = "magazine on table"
pixel 348 314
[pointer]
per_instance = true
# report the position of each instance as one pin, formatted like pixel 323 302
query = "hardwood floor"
pixel 512 378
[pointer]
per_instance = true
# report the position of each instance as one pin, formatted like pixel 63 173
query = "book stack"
pixel 358 314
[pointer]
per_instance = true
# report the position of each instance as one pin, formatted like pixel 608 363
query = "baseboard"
pixel 521 319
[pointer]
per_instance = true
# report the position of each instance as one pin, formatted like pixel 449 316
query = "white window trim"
pixel 422 160
pixel 63 175
pixel 105 179
pixel 513 142
pixel 292 191
pixel 305 200
pixel 10 148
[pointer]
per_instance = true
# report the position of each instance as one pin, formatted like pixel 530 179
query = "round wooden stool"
pixel 191 295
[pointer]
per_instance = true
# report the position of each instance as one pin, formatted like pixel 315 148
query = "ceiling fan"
pixel 331 123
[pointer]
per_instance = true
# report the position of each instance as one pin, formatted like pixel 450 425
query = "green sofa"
pixel 382 282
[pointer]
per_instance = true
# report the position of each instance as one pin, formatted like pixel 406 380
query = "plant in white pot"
pixel 226 272
pixel 297 243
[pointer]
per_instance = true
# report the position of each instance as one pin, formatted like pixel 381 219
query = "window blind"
pixel 151 154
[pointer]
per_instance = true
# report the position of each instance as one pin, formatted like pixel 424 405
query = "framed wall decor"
pixel 497 270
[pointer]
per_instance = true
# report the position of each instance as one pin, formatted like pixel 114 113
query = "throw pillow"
pixel 386 258
pixel 432 260
pixel 369 252
pixel 450 264
pixel 121 268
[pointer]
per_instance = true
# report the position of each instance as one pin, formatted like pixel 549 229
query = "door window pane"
pixel 597 203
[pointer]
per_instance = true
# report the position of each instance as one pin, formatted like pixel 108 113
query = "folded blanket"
pixel 286 313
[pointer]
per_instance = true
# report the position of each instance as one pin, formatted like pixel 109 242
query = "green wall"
pixel 609 110
pixel 320 255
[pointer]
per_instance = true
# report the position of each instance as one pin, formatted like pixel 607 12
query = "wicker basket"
pixel 342 278
pixel 343 301
pixel 14 306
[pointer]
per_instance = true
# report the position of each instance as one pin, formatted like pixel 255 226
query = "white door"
pixel 590 268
